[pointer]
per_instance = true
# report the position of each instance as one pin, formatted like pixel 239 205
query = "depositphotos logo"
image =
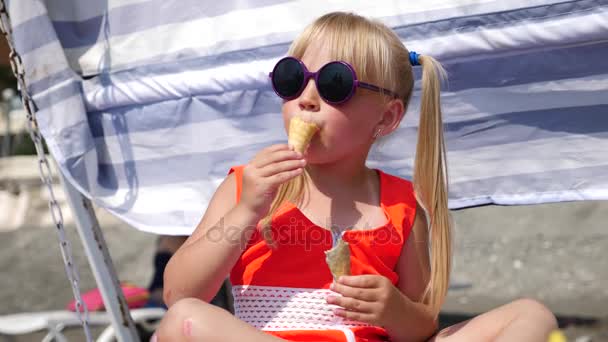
pixel 300 232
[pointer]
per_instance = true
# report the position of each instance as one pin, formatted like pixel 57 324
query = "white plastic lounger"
pixel 55 321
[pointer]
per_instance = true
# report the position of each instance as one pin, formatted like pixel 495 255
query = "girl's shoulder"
pixel 398 199
pixel 236 172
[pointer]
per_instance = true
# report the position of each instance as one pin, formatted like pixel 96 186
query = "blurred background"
pixel 554 253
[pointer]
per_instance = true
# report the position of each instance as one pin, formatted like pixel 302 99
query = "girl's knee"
pixel 536 310
pixel 179 321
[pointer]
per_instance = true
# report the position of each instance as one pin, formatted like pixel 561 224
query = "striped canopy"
pixel 145 104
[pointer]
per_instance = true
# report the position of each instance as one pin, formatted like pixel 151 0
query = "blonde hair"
pixel 380 58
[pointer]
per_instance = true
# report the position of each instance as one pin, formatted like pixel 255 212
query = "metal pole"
pixel 6 144
pixel 101 264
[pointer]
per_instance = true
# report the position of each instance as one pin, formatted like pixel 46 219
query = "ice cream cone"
pixel 338 259
pixel 300 133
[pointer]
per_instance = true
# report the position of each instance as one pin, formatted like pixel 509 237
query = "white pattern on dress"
pixel 286 308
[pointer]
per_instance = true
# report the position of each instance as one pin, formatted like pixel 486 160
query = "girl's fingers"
pixel 351 304
pixel 368 295
pixel 276 147
pixel 368 281
pixel 278 167
pixel 355 316
pixel 265 159
pixel 284 176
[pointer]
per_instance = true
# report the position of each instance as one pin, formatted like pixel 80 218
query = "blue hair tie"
pixel 414 58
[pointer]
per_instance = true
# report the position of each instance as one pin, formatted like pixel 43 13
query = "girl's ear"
pixel 393 113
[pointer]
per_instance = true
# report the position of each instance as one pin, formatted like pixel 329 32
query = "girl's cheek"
pixel 289 107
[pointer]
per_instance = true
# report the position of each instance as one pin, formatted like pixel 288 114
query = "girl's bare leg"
pixel 521 320
pixel 194 320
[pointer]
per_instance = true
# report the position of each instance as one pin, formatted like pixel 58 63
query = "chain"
pixel 45 170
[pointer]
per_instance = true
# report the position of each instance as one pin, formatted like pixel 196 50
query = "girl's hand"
pixel 262 176
pixel 371 299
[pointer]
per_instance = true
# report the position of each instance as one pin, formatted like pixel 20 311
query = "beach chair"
pixel 145 105
pixel 54 323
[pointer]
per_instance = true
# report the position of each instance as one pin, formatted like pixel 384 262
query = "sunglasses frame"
pixel 315 75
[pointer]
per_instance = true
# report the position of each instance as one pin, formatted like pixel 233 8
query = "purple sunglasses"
pixel 336 81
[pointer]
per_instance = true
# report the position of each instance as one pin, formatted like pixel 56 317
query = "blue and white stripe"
pixel 145 104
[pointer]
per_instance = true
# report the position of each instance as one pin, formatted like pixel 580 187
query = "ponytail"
pixel 430 182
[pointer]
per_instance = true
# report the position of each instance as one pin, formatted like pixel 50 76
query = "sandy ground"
pixel 554 253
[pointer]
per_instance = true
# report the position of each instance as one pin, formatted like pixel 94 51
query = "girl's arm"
pixel 201 264
pixel 413 268
pixel 199 267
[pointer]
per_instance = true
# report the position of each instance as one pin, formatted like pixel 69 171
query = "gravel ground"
pixel 549 252
pixel 554 253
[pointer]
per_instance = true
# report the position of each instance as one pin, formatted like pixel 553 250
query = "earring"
pixel 377 133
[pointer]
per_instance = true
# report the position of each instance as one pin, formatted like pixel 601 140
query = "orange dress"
pixel 282 291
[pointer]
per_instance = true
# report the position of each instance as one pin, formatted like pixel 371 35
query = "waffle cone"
pixel 338 259
pixel 300 133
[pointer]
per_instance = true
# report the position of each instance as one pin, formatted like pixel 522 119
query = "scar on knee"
pixel 187 327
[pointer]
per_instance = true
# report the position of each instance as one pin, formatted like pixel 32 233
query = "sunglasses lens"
pixel 335 82
pixel 288 77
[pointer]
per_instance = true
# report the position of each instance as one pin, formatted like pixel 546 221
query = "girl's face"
pixel 346 130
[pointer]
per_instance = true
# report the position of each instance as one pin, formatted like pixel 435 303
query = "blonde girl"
pixel 271 221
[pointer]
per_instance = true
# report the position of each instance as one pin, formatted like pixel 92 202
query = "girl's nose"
pixel 309 100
